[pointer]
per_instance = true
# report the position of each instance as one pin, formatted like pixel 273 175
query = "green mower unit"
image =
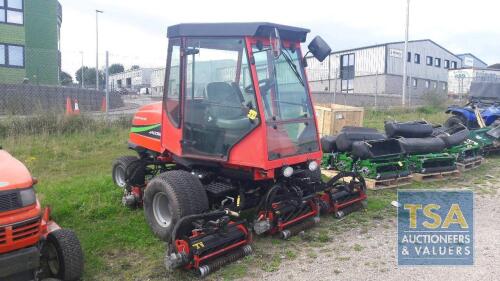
pixel 432 163
pixel 488 138
pixel 383 168
pixel 467 152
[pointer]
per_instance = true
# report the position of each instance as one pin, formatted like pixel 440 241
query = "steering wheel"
pixel 264 85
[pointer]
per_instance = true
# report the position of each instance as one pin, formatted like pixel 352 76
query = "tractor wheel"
pixel 171 196
pixel 454 121
pixel 120 170
pixel 62 256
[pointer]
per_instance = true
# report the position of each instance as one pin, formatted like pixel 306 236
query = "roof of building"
pixel 396 42
pixel 469 54
pixel 495 66
pixel 259 29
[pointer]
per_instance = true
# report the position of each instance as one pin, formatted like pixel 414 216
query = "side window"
pixel 173 83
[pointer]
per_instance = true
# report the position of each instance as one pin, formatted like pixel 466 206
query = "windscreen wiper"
pixel 285 54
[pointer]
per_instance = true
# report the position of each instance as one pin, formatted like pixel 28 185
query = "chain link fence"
pixel 25 99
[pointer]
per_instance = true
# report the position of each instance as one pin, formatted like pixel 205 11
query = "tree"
pixel 116 68
pixel 89 77
pixel 65 79
pixel 134 67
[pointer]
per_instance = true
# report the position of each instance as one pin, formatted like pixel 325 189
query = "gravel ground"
pixel 361 255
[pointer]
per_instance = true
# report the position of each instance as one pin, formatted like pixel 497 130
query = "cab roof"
pixel 256 29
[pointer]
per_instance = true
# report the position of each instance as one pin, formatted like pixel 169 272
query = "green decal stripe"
pixel 143 128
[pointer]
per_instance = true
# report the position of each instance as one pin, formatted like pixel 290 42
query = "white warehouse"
pixel 378 69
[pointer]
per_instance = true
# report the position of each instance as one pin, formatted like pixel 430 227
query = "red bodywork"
pixel 249 153
pixel 23 227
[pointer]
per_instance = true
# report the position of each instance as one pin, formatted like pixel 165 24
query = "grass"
pixel 73 159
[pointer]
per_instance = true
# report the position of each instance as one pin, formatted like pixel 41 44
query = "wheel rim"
pixel 120 176
pixel 52 259
pixel 161 209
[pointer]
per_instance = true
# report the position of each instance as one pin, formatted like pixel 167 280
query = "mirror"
pixel 319 48
pixel 275 42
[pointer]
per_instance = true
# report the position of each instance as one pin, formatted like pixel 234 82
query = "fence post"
pixel 107 83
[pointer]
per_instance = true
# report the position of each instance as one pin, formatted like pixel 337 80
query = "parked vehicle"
pixel 236 131
pixel 485 98
pixel 32 245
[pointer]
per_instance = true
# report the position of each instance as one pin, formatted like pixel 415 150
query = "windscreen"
pixel 288 109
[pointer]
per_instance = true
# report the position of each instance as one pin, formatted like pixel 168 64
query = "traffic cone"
pixel 77 108
pixel 69 106
pixel 103 104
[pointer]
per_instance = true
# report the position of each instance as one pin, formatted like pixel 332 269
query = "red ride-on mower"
pixel 236 130
pixel 32 246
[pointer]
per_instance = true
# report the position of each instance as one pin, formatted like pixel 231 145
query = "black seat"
pixel 225 101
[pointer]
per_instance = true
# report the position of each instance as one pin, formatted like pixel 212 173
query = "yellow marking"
pixel 198 245
pixel 252 114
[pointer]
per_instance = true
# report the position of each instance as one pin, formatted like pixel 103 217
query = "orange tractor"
pixel 32 246
pixel 236 131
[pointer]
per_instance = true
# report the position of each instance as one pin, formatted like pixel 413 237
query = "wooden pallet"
pixel 436 176
pixel 376 184
pixel 462 167
pixel 329 173
pixel 388 183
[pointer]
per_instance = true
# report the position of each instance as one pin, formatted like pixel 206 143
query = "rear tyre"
pixel 171 196
pixel 454 121
pixel 120 170
pixel 62 256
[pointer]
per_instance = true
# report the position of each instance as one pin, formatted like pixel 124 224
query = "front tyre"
pixel 171 196
pixel 62 256
pixel 119 171
pixel 455 120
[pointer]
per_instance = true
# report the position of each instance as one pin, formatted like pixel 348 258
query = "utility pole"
pixel 107 82
pixel 97 12
pixel 405 54
pixel 81 72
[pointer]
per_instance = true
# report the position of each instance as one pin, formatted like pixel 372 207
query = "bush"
pixel 52 123
pixel 434 100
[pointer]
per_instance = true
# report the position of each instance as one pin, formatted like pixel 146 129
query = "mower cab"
pixel 236 130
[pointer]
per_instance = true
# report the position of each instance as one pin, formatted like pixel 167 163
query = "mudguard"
pixel 469 115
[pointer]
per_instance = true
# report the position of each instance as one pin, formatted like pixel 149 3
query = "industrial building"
pixel 460 79
pixel 469 60
pixel 133 80
pixel 29 41
pixel 378 69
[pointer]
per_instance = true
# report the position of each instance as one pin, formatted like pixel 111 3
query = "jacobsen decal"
pixel 152 131
pixel 435 228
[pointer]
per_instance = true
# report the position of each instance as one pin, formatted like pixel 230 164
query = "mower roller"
pixel 235 131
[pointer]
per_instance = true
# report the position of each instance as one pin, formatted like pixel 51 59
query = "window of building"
pixel 453 65
pixel 429 60
pixel 414 82
pixel 446 64
pixel 128 82
pixel 347 72
pixel 11 55
pixel 445 86
pixel 434 84
pixel 417 58
pixel 437 62
pixel 427 84
pixel 11 11
pixel 408 58
pixel 2 54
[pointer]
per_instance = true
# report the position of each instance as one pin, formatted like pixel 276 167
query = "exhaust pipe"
pixel 216 264
pixel 298 228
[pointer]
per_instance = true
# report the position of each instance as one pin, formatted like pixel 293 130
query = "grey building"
pixel 134 80
pixel 378 69
pixel 471 61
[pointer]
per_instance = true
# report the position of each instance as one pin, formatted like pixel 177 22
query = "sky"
pixel 134 32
